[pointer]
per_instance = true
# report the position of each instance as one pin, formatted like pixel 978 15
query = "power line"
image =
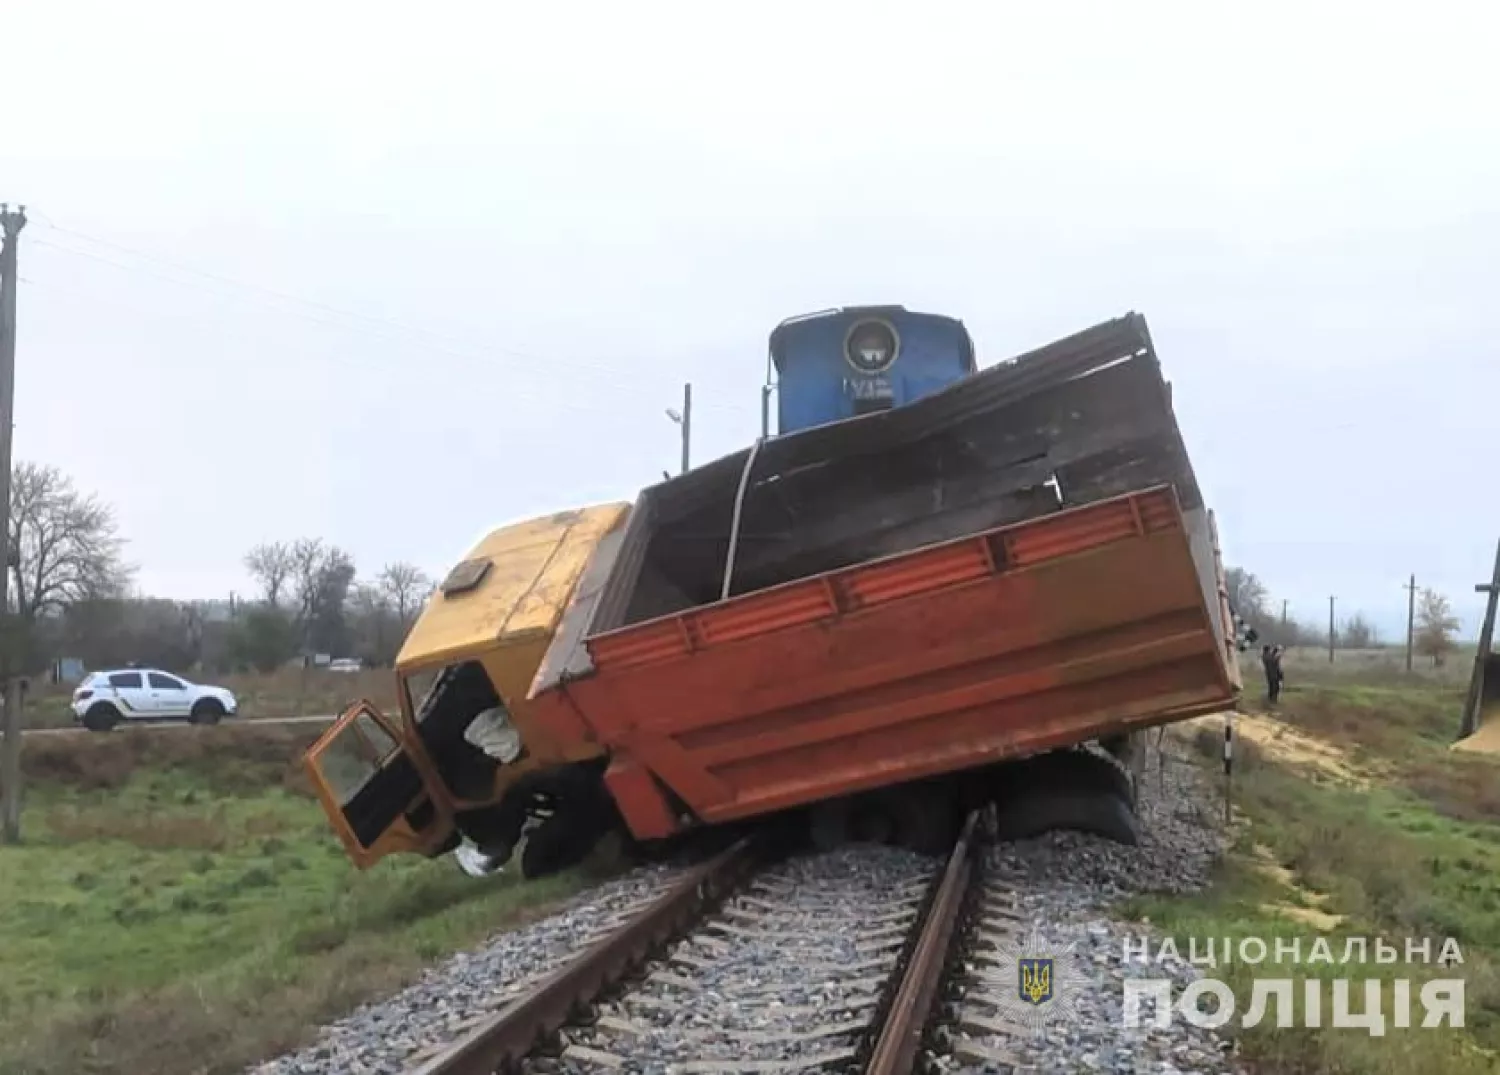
pixel 468 356
pixel 383 322
pixel 539 363
pixel 640 400
pixel 635 389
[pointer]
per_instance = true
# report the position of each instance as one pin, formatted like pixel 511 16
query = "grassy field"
pixel 180 896
pixel 287 693
pixel 1376 666
pixel 1382 832
pixel 180 905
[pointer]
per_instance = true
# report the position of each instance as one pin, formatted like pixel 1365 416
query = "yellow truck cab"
pixel 466 763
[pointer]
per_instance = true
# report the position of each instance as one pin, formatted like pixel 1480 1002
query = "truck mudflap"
pixel 1085 623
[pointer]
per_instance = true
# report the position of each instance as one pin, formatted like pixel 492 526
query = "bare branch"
pixel 67 545
pixel 406 585
pixel 270 564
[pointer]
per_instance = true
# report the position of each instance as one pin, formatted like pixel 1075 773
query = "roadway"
pixel 152 725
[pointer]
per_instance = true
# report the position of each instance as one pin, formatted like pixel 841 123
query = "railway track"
pixel 862 960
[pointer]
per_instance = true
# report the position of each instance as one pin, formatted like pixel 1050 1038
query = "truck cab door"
pixel 374 795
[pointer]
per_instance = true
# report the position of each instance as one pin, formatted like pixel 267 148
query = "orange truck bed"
pixel 998 645
pixel 1018 562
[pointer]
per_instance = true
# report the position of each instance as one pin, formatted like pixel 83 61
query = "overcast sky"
pixel 389 277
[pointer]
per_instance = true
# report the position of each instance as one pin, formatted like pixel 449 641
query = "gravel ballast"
pixel 1067 887
pixel 390 1036
pixel 790 967
pixel 788 972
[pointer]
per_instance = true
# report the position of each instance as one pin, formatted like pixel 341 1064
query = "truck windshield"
pixel 420 691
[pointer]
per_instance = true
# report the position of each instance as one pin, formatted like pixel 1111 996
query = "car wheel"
pixel 207 711
pixel 101 717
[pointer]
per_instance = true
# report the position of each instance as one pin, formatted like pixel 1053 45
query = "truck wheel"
pixel 928 820
pixel 101 717
pixel 206 711
pixel 556 844
pixel 829 824
pixel 1067 789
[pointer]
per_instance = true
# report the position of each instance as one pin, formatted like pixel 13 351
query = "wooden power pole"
pixel 1411 618
pixel 1475 699
pixel 10 747
pixel 1330 629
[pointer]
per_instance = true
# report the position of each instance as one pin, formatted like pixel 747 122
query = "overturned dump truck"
pixel 935 587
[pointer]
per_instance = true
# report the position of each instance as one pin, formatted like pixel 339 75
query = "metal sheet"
pixel 1091 412
pixel 534 567
pixel 987 647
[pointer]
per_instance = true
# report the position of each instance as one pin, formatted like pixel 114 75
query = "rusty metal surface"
pixel 992 647
pixel 895 1050
pixel 511 1034
pixel 904 575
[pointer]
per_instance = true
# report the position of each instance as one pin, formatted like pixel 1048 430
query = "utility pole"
pixel 687 423
pixel 685 420
pixel 1283 617
pixel 10 749
pixel 1474 701
pixel 1330 629
pixel 1411 618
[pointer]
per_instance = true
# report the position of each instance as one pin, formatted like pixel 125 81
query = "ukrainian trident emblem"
pixel 1035 985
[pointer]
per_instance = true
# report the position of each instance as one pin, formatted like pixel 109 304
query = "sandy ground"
pixel 1302 903
pixel 1487 739
pixel 1292 747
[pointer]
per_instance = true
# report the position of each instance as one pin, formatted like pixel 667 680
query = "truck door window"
pixel 355 755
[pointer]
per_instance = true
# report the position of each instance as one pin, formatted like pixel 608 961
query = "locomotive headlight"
pixel 871 346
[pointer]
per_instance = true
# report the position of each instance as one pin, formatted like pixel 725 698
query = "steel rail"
pixel 512 1033
pixel 895 1049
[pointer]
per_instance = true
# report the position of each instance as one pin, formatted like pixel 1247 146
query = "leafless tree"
pixel 66 544
pixel 406 586
pixel 1247 594
pixel 322 575
pixel 62 549
pixel 1359 633
pixel 270 564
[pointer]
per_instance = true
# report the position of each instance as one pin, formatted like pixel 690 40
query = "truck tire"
pixel 1075 790
pixel 928 819
pixel 555 845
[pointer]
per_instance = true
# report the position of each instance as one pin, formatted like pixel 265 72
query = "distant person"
pixel 1270 657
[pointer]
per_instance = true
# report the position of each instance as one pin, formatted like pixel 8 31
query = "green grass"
pixel 168 919
pixel 1415 856
pixel 1405 731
